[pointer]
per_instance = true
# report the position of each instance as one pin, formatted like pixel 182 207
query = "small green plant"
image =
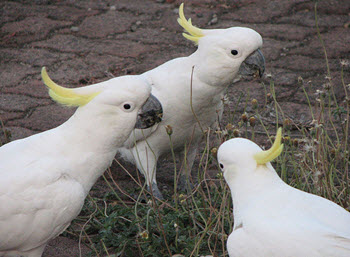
pixel 199 225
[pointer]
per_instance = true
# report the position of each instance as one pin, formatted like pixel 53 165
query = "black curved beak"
pixel 253 65
pixel 150 113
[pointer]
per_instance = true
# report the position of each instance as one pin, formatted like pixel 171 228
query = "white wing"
pixel 269 238
pixel 289 222
pixel 37 201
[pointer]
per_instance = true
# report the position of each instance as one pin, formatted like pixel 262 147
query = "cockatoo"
pixel 45 178
pixel 193 102
pixel 273 218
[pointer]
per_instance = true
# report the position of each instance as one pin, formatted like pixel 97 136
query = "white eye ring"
pixel 128 107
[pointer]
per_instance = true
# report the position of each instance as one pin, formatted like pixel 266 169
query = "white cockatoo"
pixel 45 178
pixel 272 218
pixel 192 106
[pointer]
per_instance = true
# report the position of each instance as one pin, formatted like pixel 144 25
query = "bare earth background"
pixel 87 41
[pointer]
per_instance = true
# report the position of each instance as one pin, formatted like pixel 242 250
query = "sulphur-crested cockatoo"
pixel 272 218
pixel 222 57
pixel 45 178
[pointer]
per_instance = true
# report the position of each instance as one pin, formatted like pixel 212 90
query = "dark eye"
pixel 221 166
pixel 234 52
pixel 127 106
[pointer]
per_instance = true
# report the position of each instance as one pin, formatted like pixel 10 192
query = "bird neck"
pixel 86 143
pixel 87 133
pixel 248 186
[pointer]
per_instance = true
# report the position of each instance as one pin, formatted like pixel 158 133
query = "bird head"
pixel 242 155
pixel 129 98
pixel 234 51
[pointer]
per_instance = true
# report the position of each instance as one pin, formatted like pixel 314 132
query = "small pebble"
pixel 74 29
pixel 214 20
pixel 138 23
pixel 113 8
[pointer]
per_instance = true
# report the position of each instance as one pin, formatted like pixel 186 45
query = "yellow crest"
pixel 65 96
pixel 269 155
pixel 195 33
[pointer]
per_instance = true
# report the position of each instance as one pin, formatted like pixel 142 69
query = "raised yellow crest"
pixel 195 33
pixel 269 155
pixel 65 96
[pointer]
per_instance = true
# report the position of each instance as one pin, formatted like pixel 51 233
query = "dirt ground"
pixel 87 41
